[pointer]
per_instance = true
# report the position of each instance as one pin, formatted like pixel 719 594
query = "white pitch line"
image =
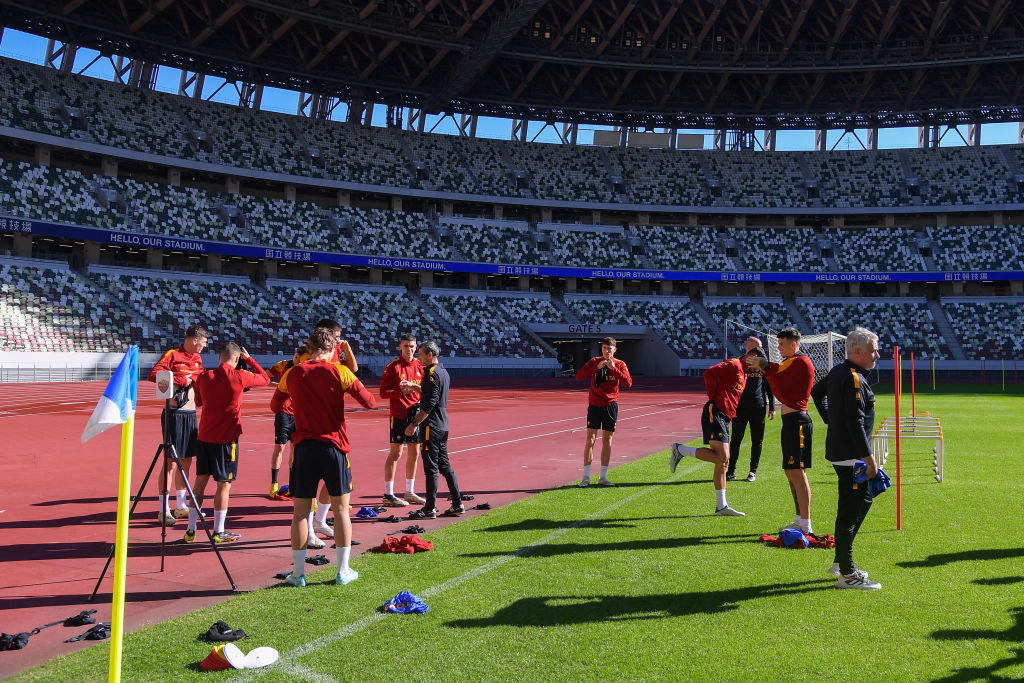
pixel 288 659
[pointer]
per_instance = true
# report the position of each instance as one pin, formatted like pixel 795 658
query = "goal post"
pixel 825 349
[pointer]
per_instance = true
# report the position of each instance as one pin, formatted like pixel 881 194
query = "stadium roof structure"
pixel 725 64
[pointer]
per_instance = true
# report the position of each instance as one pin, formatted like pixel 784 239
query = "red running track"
pixel 58 510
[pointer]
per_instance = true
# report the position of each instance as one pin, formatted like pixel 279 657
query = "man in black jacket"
pixel 757 405
pixel 847 405
pixel 433 411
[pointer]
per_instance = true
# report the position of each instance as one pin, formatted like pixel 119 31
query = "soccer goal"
pixel 825 349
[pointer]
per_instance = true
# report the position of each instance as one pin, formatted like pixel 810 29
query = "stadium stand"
pixel 51 194
pixel 490 321
pixel 657 176
pixel 167 210
pixel 875 249
pixel 905 322
pixel 28 103
pixel 673 318
pixel 372 317
pixel 977 247
pixel 778 249
pixel 762 179
pixel 559 172
pixel 356 154
pixel 487 241
pixel 46 307
pixel 859 178
pixel 763 314
pixel 589 247
pixel 391 233
pixel 682 248
pixel 961 175
pixel 989 328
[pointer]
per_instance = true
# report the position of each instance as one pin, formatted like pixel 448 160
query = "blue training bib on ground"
pixel 794 538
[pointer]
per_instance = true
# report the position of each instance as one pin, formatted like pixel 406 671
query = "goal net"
pixel 825 349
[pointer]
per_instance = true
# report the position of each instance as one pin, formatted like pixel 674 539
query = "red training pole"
pixel 899 382
pixel 913 390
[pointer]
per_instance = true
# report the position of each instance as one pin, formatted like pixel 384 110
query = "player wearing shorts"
pixel 791 382
pixel 724 383
pixel 607 374
pixel 284 421
pixel 318 388
pixel 400 384
pixel 178 418
pixel 219 394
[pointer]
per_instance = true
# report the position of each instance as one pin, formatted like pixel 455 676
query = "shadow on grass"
pixel 942 559
pixel 555 549
pixel 1014 634
pixel 550 524
pixel 104 598
pixel 1000 581
pixel 561 610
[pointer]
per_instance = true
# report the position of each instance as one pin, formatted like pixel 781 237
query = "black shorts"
pixel 284 426
pixel 219 460
pixel 315 461
pixel 398 426
pixel 797 430
pixel 183 431
pixel 714 424
pixel 603 417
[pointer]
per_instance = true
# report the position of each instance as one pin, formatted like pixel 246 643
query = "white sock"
pixel 720 499
pixel 389 488
pixel 805 526
pixel 586 471
pixel 688 451
pixel 182 496
pixel 163 504
pixel 193 518
pixel 321 513
pixel 410 485
pixel 298 563
pixel 309 523
pixel 604 473
pixel 343 553
pixel 218 520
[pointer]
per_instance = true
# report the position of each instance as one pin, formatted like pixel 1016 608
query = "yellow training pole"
pixel 121 551
pixel 933 374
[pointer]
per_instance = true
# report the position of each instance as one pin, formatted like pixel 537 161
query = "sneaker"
pixel 729 477
pixel 791 525
pixel 674 457
pixel 345 578
pixel 393 501
pixel 322 528
pixel 297 581
pixel 190 535
pixel 751 477
pixel 729 511
pixel 604 482
pixel 314 543
pixel 834 570
pixel 413 499
pixel 166 518
pixel 273 490
pixel 859 579
pixel 423 513
pixel 455 511
pixel 584 483
pixel 226 537
pixel 181 513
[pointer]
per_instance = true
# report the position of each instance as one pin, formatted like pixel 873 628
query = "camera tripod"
pixel 166 453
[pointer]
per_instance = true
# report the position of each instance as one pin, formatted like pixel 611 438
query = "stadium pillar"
pixel 524 283
pixel 974 134
pixel 769 139
pixel 344 198
pixel 739 221
pixel 821 140
pixel 570 284
pixel 231 185
pixel 23 245
pixel 155 258
pixel 213 264
pixel 595 218
pixel 289 192
pixel 643 218
pixel 91 252
pixel 42 155
pixel 447 208
pixel 323 271
pixel 108 166
pixel 426 278
pixel 1016 287
pixel 665 287
pixel 396 203
pixel 499 211
pixel 790 221
pixel 873 138
pixel 904 289
pixel 839 221
pixel 270 268
pixel 174 177
pixel 619 285
pixel 376 276
pixel 545 215
pixel 1020 132
pixel 474 280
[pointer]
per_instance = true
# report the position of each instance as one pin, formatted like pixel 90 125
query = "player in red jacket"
pixel 724 383
pixel 607 374
pixel 791 382
pixel 219 394
pixel 178 418
pixel 400 384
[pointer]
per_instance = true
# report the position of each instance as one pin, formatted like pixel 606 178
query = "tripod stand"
pixel 170 454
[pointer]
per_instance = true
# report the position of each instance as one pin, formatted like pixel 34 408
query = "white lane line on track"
pixel 288 662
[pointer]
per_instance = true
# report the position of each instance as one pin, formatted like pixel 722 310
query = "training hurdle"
pixel 916 427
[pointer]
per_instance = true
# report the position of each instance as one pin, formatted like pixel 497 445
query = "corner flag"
pixel 119 399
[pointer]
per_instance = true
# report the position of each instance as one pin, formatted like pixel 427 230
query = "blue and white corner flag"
pixel 119 399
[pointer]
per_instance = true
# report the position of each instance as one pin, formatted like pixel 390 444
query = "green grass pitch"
pixel 642 582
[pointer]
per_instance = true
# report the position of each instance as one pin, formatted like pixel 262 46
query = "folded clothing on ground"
pixel 405 603
pixel 405 544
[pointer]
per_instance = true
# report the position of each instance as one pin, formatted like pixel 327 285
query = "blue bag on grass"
pixel 405 603
pixel 794 538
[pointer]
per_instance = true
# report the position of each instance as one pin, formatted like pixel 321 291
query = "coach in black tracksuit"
pixel 757 403
pixel 847 405
pixel 433 413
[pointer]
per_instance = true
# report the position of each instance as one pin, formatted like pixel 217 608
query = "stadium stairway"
pixel 710 322
pixel 942 322
pixel 530 334
pixel 800 320
pixel 439 320
pixel 559 302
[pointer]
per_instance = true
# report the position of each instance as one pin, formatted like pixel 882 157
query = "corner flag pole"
pixel 121 553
